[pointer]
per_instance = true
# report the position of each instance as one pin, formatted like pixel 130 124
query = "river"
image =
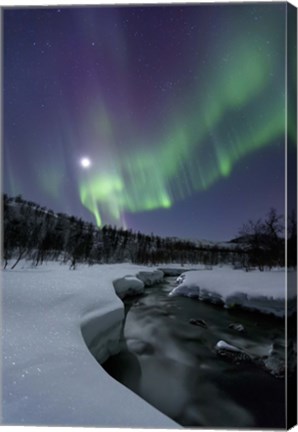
pixel 173 364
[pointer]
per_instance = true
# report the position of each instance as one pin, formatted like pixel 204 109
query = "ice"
pixel 49 375
pixel 264 291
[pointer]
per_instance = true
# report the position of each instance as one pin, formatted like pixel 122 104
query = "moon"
pixel 85 162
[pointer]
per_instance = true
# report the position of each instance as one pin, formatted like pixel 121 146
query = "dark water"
pixel 174 366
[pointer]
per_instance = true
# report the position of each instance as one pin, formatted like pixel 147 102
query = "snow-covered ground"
pixel 263 291
pixel 49 375
pixel 50 313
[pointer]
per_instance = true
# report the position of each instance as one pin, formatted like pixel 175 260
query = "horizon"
pixel 173 237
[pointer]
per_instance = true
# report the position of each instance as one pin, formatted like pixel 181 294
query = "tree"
pixel 7 240
pixel 264 241
pixel 253 232
pixel 273 243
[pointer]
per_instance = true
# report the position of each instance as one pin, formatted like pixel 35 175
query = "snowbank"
pixel 49 375
pixel 262 291
pixel 128 285
pixel 150 277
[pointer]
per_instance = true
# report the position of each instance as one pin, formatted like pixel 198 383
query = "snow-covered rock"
pixel 49 376
pixel 224 346
pixel 231 352
pixel 128 285
pixel 262 291
pixel 180 278
pixel 237 327
pixel 150 277
pixel 275 362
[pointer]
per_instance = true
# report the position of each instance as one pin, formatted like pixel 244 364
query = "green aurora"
pixel 233 114
pixel 178 108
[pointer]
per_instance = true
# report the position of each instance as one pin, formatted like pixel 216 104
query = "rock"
pixel 230 352
pixel 237 327
pixel 274 363
pixel 275 367
pixel 128 285
pixel 224 346
pixel 150 278
pixel 198 322
pixel 138 303
pixel 180 279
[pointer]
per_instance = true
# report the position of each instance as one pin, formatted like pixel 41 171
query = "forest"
pixel 38 234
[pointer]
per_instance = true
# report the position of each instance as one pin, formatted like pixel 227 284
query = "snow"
pixel 131 285
pixel 150 277
pixel 222 345
pixel 231 352
pixel 275 361
pixel 50 313
pixel 264 291
pixel 128 285
pixel 49 375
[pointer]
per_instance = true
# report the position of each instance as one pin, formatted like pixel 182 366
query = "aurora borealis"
pixel 179 109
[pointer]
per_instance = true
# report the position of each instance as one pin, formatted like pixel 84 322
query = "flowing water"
pixel 173 364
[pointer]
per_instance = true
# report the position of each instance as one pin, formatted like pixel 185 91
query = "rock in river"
pixel 198 322
pixel 231 352
pixel 237 326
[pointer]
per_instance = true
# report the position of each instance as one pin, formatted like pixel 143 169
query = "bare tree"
pixel 274 245
pixel 253 232
pixel 265 244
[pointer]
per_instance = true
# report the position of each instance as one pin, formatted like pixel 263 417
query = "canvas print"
pixel 149 230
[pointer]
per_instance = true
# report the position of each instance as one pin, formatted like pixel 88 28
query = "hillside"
pixel 38 234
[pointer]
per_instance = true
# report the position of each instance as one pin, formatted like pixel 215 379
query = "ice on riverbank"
pixel 264 291
pixel 49 375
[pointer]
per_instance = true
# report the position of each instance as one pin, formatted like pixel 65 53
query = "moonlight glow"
pixel 85 162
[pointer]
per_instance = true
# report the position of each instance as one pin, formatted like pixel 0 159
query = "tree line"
pixel 38 234
pixel 265 243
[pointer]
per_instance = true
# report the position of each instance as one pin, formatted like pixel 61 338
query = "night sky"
pixel 167 119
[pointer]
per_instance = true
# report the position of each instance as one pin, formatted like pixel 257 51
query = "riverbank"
pixel 201 364
pixel 49 375
pixel 269 292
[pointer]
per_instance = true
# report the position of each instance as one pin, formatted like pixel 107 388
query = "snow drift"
pixel 267 291
pixel 49 375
